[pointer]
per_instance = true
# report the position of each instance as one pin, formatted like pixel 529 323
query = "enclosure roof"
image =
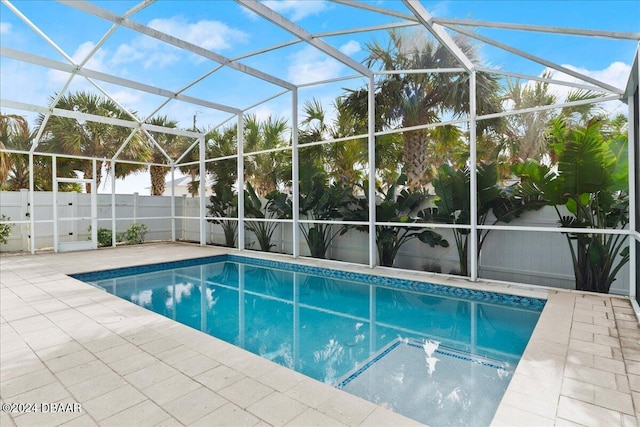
pixel 203 63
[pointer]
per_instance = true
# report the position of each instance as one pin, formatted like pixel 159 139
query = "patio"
pixel 497 152
pixel 63 341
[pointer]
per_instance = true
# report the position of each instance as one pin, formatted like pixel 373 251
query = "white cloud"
pixel 147 52
pixel 616 74
pixel 210 35
pixel 350 47
pixel 296 10
pixel 309 65
pixel 5 28
pixel 126 98
pixel 96 62
pixel 249 13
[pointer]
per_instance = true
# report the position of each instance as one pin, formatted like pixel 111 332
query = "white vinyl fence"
pixel 537 258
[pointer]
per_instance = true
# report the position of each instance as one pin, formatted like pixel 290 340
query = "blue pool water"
pixel 441 355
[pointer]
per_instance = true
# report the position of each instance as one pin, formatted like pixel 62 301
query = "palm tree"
pixel 16 134
pixel 13 130
pixel 417 99
pixel 222 143
pixel 265 171
pixel 170 144
pixel 526 134
pixel 5 164
pixel 342 161
pixel 92 139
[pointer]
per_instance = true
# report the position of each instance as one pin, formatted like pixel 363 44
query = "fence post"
pixel 135 208
pixel 183 220
pixel 24 212
pixel 74 210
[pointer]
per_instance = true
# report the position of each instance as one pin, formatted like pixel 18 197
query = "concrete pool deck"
pixel 63 341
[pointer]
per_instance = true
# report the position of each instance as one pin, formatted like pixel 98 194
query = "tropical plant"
pixel 400 208
pixel 591 184
pixel 525 134
pixel 222 143
pixel 5 163
pixel 224 200
pixel 224 204
pixel 321 201
pixel 453 205
pixel 253 208
pixel 14 168
pixel 412 99
pixel 593 179
pixel 265 171
pixel 16 134
pixel 66 135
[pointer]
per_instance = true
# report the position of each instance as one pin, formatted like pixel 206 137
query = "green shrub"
pixel 105 237
pixel 5 229
pixel 135 234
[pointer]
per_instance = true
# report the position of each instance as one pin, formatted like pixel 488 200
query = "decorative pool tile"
pixel 414 285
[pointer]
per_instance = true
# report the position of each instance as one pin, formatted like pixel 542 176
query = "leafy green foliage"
pixel 319 200
pixel 224 204
pixel 591 183
pixel 105 237
pixel 453 205
pixel 400 208
pixel 253 208
pixel 5 230
pixel 135 234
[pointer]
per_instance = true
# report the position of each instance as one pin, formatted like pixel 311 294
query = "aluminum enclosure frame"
pixel 418 16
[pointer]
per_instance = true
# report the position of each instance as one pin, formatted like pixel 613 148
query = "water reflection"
pixel 405 350
pixel 322 327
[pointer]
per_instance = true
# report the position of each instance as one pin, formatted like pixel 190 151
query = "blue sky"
pixel 226 28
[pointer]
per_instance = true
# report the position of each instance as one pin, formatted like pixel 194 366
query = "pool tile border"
pixel 531 303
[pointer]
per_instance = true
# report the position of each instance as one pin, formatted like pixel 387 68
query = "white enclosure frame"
pixel 418 16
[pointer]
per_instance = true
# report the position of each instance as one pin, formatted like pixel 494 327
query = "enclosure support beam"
pixel 203 199
pixel 94 205
pixel 108 78
pixel 277 19
pixel 295 174
pixel 54 194
pixel 173 203
pixel 633 128
pixel 32 211
pixel 240 167
pixel 438 32
pixel 113 203
pixel 92 9
pixel 537 59
pixel 473 184
pixel 371 151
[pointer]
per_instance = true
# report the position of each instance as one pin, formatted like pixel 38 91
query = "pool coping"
pixel 581 365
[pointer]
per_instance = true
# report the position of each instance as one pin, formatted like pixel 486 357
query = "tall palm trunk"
pixel 88 174
pixel 5 165
pixel 157 179
pixel 414 150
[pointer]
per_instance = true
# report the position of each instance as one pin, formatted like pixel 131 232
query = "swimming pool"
pixel 441 355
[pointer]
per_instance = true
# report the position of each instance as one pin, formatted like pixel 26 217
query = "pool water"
pixel 439 359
